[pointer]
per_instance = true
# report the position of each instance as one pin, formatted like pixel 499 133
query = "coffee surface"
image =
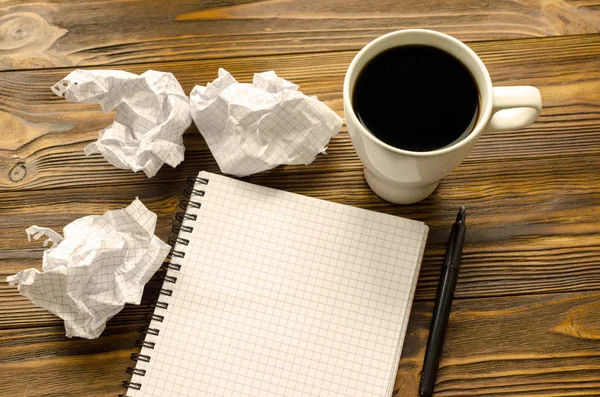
pixel 416 98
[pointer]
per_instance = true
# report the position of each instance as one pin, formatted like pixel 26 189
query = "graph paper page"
pixel 283 295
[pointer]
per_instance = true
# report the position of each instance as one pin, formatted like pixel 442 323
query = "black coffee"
pixel 416 98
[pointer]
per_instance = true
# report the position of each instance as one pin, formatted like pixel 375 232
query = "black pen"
pixel 443 304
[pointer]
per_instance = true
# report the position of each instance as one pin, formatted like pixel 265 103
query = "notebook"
pixel 271 293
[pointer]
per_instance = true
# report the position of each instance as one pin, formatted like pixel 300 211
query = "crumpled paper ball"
pixel 102 262
pixel 255 127
pixel 151 114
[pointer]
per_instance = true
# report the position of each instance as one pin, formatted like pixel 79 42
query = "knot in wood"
pixel 18 172
pixel 24 38
pixel 20 29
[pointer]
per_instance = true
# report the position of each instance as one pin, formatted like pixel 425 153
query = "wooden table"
pixel 526 318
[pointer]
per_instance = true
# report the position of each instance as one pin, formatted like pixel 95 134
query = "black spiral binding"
pixel 165 279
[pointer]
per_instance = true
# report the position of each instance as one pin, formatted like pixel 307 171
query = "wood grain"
pixel 512 346
pixel 58 34
pixel 47 134
pixel 41 361
pixel 511 181
pixel 493 348
pixel 524 237
pixel 525 319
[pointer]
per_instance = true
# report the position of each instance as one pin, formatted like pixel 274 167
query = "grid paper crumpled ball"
pixel 102 262
pixel 151 114
pixel 255 127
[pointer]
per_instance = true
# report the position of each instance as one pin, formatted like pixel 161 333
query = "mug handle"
pixel 514 107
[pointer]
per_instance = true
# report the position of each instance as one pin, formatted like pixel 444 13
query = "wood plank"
pixel 43 362
pixel 525 320
pixel 50 341
pixel 512 346
pixel 520 212
pixel 65 33
pixel 526 234
pixel 45 135
pixel 493 348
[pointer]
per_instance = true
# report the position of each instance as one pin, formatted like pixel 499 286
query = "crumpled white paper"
pixel 103 262
pixel 152 112
pixel 255 127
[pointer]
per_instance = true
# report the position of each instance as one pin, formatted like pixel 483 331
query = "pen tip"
pixel 462 215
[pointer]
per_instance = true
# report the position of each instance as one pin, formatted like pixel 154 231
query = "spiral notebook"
pixel 271 293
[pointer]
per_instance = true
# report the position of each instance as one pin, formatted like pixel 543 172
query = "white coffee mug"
pixel 404 177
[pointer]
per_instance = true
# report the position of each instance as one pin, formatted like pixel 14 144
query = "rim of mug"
pixel 481 122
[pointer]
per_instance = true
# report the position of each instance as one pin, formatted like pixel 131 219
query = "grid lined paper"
pixel 254 127
pixel 102 262
pixel 284 295
pixel 151 115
